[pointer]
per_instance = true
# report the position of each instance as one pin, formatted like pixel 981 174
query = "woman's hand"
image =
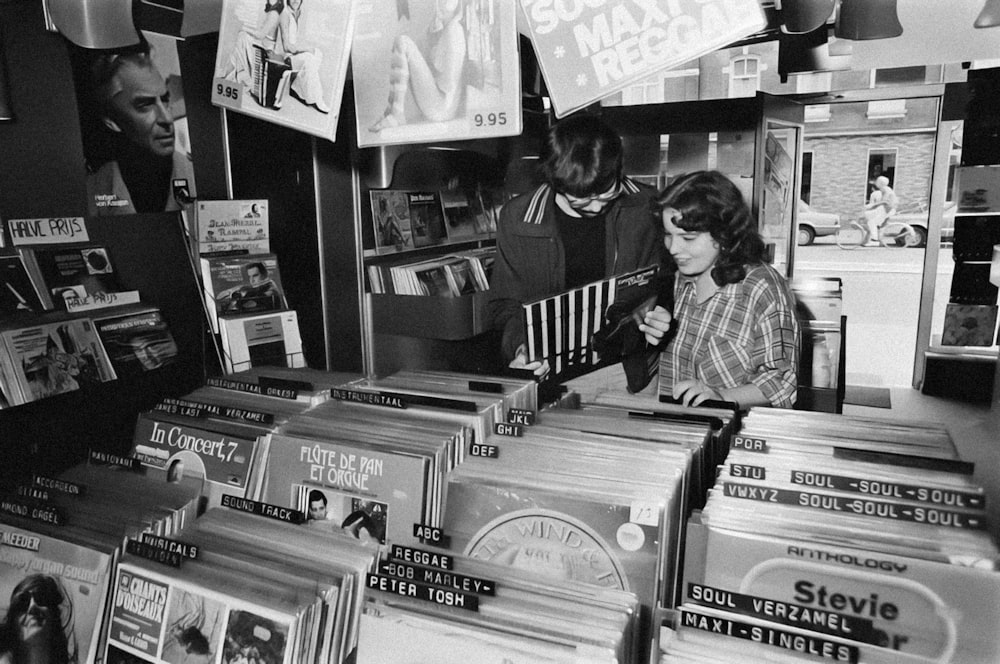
pixel 655 324
pixel 693 392
pixel 520 361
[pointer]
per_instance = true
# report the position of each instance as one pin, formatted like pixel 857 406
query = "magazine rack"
pixel 150 254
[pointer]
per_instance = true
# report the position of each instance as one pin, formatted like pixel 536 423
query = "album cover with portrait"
pixel 55 591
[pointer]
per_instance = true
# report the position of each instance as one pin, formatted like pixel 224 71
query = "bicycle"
pixel 892 234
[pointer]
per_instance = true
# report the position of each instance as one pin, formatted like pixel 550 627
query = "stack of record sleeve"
pixel 839 538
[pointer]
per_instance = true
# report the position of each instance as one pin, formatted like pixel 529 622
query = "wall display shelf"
pixel 150 255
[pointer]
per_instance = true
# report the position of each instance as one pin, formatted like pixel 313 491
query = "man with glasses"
pixel 586 223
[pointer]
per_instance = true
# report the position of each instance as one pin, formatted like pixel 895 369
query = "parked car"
pixel 814 224
pixel 916 216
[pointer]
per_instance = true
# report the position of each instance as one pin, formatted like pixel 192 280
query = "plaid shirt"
pixel 746 332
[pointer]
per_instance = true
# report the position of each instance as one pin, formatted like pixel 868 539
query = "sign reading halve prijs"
pixel 588 49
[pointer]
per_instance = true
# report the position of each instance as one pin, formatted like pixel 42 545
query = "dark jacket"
pixel 531 260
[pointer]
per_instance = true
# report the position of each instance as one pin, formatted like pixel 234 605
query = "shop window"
pixel 817 113
pixel 884 109
pixel 744 75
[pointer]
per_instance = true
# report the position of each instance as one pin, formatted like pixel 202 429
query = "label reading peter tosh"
pixel 549 543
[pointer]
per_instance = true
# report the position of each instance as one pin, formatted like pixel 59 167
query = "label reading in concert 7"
pixel 418 557
pixel 521 416
pixel 806 645
pixel 263 509
pixel 442 596
pixel 750 444
pixel 434 577
pixel 508 429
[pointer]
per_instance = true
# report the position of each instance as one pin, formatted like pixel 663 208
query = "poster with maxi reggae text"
pixel 589 50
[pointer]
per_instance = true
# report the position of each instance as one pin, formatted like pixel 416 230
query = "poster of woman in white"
pixel 435 70
pixel 285 61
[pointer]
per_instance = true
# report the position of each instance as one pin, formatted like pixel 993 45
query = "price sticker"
pixel 490 119
pixel 644 514
pixel 227 93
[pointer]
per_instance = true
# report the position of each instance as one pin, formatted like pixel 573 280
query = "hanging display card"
pixel 436 71
pixel 285 62
pixel 588 50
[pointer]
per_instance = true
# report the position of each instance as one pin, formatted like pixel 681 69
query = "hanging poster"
pixel 435 71
pixel 134 127
pixel 588 50
pixel 285 62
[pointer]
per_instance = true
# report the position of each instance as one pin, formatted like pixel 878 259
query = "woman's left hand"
pixel 694 392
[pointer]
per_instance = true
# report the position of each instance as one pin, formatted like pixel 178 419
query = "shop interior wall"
pixel 42 175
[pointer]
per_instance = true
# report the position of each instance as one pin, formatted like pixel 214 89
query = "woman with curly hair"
pixel 733 334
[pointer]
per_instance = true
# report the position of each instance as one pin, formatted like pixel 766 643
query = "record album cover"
pixel 285 62
pixel 436 71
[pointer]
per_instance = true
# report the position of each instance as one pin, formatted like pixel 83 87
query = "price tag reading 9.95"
pixel 226 92
pixel 490 119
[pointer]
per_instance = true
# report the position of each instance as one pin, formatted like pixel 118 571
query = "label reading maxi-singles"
pixel 873 508
pixel 799 643
pixel 421 591
pixel 794 615
pixel 883 489
pixel 436 577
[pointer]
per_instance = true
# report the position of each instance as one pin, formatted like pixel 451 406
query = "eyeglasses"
pixel 608 196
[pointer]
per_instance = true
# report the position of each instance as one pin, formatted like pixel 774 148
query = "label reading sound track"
pixel 263 509
pixel 794 615
pixel 859 506
pixel 451 580
pixel 427 593
pixel 799 643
